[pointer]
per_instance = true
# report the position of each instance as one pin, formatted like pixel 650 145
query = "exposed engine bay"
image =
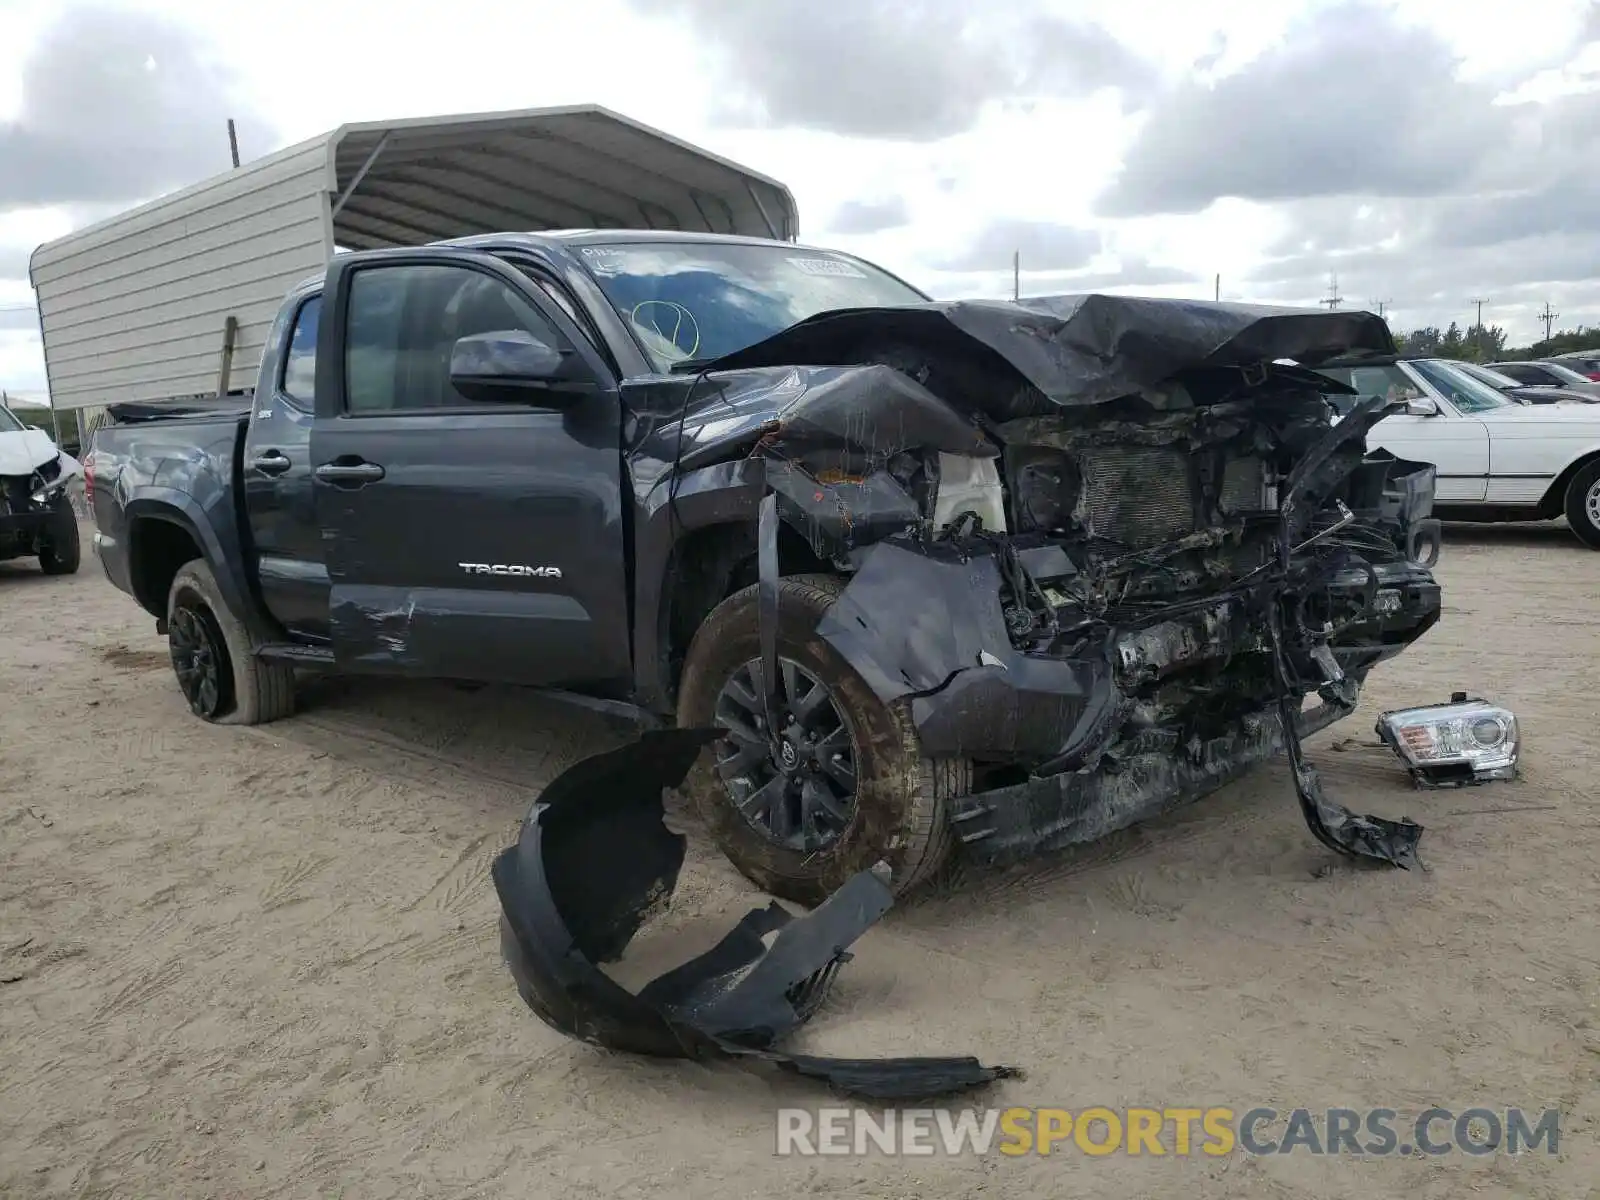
pixel 1107 549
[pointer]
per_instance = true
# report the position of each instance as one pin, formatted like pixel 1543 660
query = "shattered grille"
pixel 1138 495
pixel 1242 485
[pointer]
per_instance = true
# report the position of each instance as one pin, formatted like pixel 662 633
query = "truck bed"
pixel 192 457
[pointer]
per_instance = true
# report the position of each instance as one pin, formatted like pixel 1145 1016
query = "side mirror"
pixel 1422 406
pixel 508 365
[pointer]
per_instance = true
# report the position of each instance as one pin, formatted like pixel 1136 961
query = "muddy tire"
pixel 214 658
pixel 1583 504
pixel 898 812
pixel 59 548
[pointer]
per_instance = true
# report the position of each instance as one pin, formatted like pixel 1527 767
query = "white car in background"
pixel 1497 460
pixel 36 517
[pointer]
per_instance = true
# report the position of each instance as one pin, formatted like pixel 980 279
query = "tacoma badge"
pixel 511 569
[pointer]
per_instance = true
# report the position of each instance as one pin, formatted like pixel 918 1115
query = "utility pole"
pixel 1480 304
pixel 1548 319
pixel 1016 275
pixel 233 141
pixel 1334 299
pixel 1381 307
pixel 1216 291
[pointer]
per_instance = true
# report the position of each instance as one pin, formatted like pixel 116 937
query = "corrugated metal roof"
pixel 404 182
pixel 134 307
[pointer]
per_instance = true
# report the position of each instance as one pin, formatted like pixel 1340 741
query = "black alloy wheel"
pixel 795 782
pixel 200 659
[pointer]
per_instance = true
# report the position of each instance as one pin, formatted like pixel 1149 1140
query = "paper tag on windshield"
pixel 602 260
pixel 828 266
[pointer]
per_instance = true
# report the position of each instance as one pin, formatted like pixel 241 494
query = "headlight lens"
pixel 1465 741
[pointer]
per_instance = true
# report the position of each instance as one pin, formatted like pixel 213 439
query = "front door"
pixel 465 538
pixel 1458 447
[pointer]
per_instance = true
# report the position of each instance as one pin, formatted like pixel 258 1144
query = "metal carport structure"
pixel 175 298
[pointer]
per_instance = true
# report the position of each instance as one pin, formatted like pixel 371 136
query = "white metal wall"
pixel 134 308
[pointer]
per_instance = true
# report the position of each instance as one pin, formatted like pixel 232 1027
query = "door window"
pixel 403 323
pixel 300 360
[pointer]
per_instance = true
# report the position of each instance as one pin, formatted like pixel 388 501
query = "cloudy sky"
pixel 1429 152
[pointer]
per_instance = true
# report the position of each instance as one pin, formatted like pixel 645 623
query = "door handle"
pixel 349 472
pixel 271 462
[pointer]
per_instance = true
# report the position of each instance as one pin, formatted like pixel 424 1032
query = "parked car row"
pixel 1497 460
pixel 1513 388
pixel 1554 373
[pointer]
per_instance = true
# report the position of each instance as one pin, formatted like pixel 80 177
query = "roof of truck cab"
pixel 616 237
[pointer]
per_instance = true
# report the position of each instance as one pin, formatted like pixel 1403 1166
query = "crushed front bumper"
pixel 925 626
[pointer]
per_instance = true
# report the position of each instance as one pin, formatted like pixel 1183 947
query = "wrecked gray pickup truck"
pixel 1086 558
pixel 1012 575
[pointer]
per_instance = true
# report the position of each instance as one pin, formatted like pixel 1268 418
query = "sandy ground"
pixel 263 962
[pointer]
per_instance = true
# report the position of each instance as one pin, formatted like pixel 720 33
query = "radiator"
pixel 1138 495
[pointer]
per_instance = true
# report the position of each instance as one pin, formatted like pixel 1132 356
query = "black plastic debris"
pixel 595 860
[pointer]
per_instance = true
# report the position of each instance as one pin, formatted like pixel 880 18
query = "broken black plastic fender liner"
pixel 594 860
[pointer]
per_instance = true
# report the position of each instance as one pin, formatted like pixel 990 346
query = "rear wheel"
pixel 1583 504
pixel 214 658
pixel 837 784
pixel 59 549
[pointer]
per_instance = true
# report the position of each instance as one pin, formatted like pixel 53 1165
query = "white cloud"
pixel 1023 147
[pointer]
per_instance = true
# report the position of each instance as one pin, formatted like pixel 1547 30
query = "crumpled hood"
pixel 23 453
pixel 1078 350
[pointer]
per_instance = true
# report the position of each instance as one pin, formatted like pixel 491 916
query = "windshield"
pixel 1565 373
pixel 1493 378
pixel 1462 390
pixel 701 300
pixel 9 423
pixel 1389 382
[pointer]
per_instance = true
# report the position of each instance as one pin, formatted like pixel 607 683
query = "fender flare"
pixel 156 503
pixel 726 494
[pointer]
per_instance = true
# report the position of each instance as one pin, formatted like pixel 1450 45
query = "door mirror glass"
pixel 504 364
pixel 1422 406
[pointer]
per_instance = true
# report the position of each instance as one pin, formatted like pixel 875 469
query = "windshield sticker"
pixel 603 260
pixel 833 267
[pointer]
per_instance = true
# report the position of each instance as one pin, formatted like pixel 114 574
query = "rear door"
pixel 472 540
pixel 284 532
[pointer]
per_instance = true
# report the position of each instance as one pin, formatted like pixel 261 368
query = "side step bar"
pixel 309 657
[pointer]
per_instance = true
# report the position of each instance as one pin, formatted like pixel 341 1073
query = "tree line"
pixel 1477 343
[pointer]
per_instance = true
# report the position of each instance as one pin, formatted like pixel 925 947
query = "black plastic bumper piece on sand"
pixel 595 860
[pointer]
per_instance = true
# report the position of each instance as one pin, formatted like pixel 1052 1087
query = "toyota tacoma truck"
pixel 1009 575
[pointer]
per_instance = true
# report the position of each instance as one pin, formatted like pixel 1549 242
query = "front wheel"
pixel 1583 504
pixel 838 784
pixel 59 549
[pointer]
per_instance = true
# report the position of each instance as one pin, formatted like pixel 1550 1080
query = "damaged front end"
pixel 1109 550
pixel 30 501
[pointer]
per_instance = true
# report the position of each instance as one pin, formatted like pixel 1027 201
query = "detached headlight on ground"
pixel 1446 745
